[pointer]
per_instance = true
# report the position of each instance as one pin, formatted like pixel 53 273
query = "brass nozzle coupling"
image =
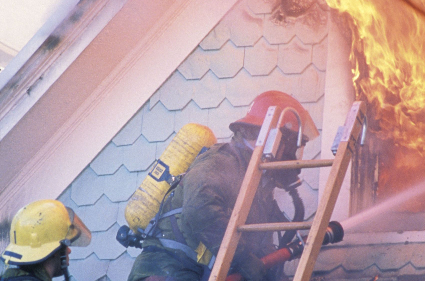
pixel 334 233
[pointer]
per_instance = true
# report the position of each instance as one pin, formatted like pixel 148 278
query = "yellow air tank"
pixel 175 160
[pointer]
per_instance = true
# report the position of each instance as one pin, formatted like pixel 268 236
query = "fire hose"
pixel 334 233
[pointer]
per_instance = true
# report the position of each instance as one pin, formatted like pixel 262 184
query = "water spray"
pixel 383 207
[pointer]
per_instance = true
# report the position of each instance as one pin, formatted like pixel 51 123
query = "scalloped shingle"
pixel 196 65
pixel 131 131
pixel 158 123
pixel 217 37
pixel 294 57
pixel 120 268
pixel 209 92
pixel 175 93
pixel 140 155
pixel 217 119
pixel 312 31
pixel 310 86
pixel 121 214
pixel 246 28
pixel 108 160
pixel 242 89
pixel 191 113
pixel 277 33
pixel 261 59
pixel 100 216
pixel 88 269
pixel 87 188
pixel 121 185
pixel 113 249
pixel 227 61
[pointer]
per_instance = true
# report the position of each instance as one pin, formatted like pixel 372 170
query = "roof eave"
pixel 43 156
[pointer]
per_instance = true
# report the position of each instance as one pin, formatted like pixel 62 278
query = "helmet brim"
pixel 32 254
pixel 309 128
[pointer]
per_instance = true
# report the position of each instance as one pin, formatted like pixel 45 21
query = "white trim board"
pixel 113 102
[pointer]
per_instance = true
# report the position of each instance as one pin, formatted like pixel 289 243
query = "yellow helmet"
pixel 41 228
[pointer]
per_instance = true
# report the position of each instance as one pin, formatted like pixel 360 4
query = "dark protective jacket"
pixel 33 273
pixel 207 194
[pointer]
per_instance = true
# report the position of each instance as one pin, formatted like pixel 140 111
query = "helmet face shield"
pixel 78 234
pixel 41 228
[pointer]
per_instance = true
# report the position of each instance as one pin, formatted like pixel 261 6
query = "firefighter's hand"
pixel 252 268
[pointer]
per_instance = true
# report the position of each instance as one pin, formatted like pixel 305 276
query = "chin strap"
pixel 64 264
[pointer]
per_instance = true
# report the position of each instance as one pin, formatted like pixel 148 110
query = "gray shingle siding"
pixel 243 56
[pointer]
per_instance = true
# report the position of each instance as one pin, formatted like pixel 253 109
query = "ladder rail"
pixel 354 125
pixel 243 202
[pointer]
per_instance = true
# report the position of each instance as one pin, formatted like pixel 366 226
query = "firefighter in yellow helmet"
pixel 40 236
pixel 188 231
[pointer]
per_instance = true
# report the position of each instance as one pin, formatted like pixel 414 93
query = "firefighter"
pixel 187 234
pixel 40 236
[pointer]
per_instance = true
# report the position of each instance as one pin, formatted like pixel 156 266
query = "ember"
pixel 387 56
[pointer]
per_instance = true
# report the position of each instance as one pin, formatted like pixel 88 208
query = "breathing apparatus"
pixel 144 204
pixel 144 209
pixel 294 129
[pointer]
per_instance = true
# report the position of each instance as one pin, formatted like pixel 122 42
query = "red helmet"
pixel 261 104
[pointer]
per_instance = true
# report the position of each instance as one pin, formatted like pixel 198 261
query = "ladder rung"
pixel 275 226
pixel 296 164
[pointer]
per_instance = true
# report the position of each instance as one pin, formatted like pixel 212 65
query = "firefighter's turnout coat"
pixel 204 199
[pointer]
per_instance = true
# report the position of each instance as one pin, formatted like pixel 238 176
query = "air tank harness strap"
pixel 151 227
pixel 168 243
pixel 152 224
pixel 187 262
pixel 180 244
pixel 164 175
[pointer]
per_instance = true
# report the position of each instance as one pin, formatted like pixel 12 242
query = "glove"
pixel 252 268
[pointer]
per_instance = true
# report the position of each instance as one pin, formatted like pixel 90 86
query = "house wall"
pixel 245 55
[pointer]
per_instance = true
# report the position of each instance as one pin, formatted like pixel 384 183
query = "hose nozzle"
pixel 334 233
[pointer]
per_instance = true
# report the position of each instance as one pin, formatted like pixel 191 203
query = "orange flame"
pixel 391 36
pixel 388 62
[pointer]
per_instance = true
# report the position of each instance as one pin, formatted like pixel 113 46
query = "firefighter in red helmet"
pixel 195 215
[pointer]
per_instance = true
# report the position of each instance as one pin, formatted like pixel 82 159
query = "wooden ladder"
pixel 348 136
